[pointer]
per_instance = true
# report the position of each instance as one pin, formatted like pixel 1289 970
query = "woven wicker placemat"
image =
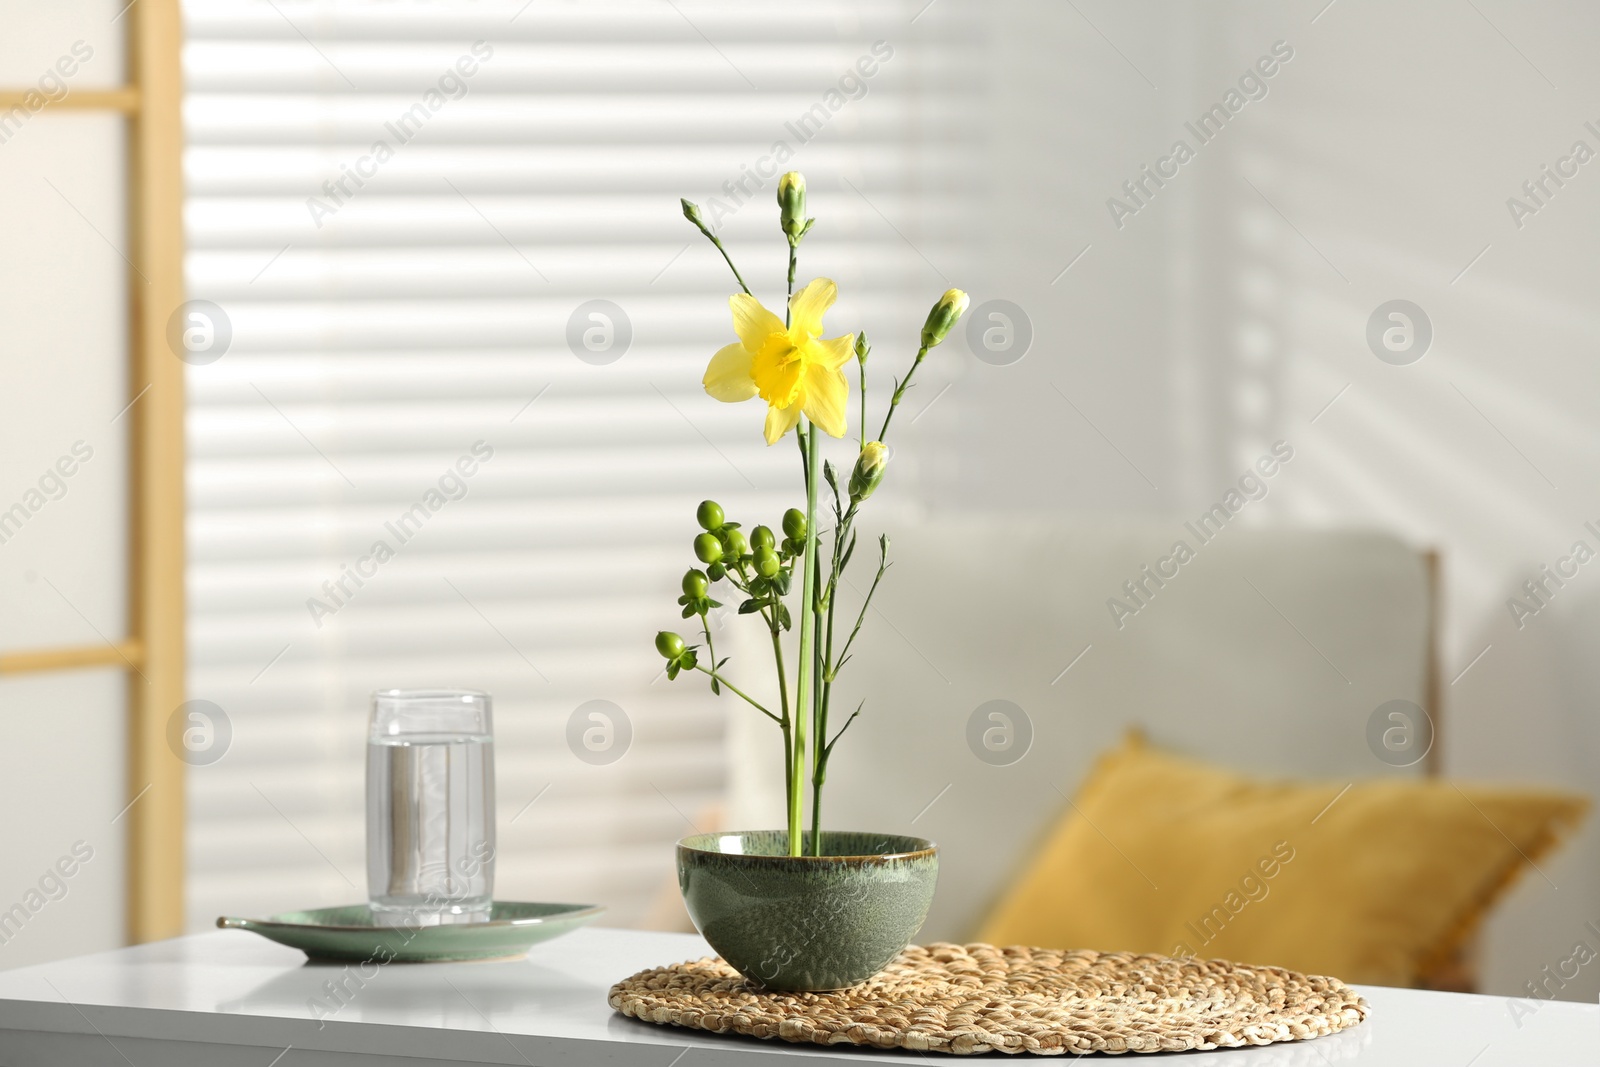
pixel 966 999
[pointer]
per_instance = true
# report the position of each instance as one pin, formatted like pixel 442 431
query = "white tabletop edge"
pixel 229 988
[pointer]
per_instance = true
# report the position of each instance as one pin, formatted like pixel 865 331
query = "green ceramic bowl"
pixel 807 923
pixel 348 934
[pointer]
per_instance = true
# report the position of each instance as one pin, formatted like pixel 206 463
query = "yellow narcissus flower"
pixel 792 368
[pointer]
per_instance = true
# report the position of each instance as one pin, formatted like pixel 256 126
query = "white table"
pixel 228 997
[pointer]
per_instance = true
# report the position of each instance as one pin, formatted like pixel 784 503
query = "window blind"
pixel 428 456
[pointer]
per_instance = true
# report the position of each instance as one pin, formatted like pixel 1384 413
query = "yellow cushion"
pixel 1379 885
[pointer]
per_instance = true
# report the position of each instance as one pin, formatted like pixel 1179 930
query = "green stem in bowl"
pixel 806 704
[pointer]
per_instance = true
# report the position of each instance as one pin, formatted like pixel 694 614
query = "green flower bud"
pixel 870 465
pixel 943 315
pixel 863 350
pixel 707 549
pixel 692 212
pixel 792 203
pixel 761 537
pixel 709 515
pixel 735 544
pixel 794 524
pixel 695 583
pixel 669 644
pixel 767 563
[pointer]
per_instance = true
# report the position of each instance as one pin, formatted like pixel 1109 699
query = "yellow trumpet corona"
pixel 791 367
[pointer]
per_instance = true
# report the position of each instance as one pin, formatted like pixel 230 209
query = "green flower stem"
pixel 819 776
pixel 799 438
pixel 711 649
pixel 794 740
pixel 841 538
pixel 815 666
pixel 736 691
pixel 791 786
pixel 899 391
pixel 806 704
pixel 863 367
pixel 819 732
pixel 726 258
pixel 820 750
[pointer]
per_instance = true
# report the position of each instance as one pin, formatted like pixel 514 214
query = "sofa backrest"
pixel 1265 649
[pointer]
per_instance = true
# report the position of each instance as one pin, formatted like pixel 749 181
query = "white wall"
pixel 63 349
pixel 1222 316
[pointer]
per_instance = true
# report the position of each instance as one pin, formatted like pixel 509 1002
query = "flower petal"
pixel 752 322
pixel 827 400
pixel 728 377
pixel 833 352
pixel 806 307
pixel 781 420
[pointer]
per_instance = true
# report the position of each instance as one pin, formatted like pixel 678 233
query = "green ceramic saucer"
pixel 348 934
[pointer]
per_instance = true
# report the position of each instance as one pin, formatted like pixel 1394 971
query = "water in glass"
pixel 430 808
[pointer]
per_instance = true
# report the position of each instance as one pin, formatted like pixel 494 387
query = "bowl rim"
pixel 929 847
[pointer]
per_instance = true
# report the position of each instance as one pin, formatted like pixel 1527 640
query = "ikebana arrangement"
pixel 834 907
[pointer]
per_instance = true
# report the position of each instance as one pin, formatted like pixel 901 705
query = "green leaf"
pixel 689 612
pixel 844 561
pixel 783 615
pixel 688 659
pixel 716 690
pixel 782 581
pixel 828 749
pixel 672 670
pixel 751 606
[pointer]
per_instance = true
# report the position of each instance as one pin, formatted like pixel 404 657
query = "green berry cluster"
pixel 761 566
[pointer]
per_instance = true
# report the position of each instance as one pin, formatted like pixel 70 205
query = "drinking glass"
pixel 430 807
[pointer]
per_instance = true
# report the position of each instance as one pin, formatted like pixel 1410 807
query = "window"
pixel 465 323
